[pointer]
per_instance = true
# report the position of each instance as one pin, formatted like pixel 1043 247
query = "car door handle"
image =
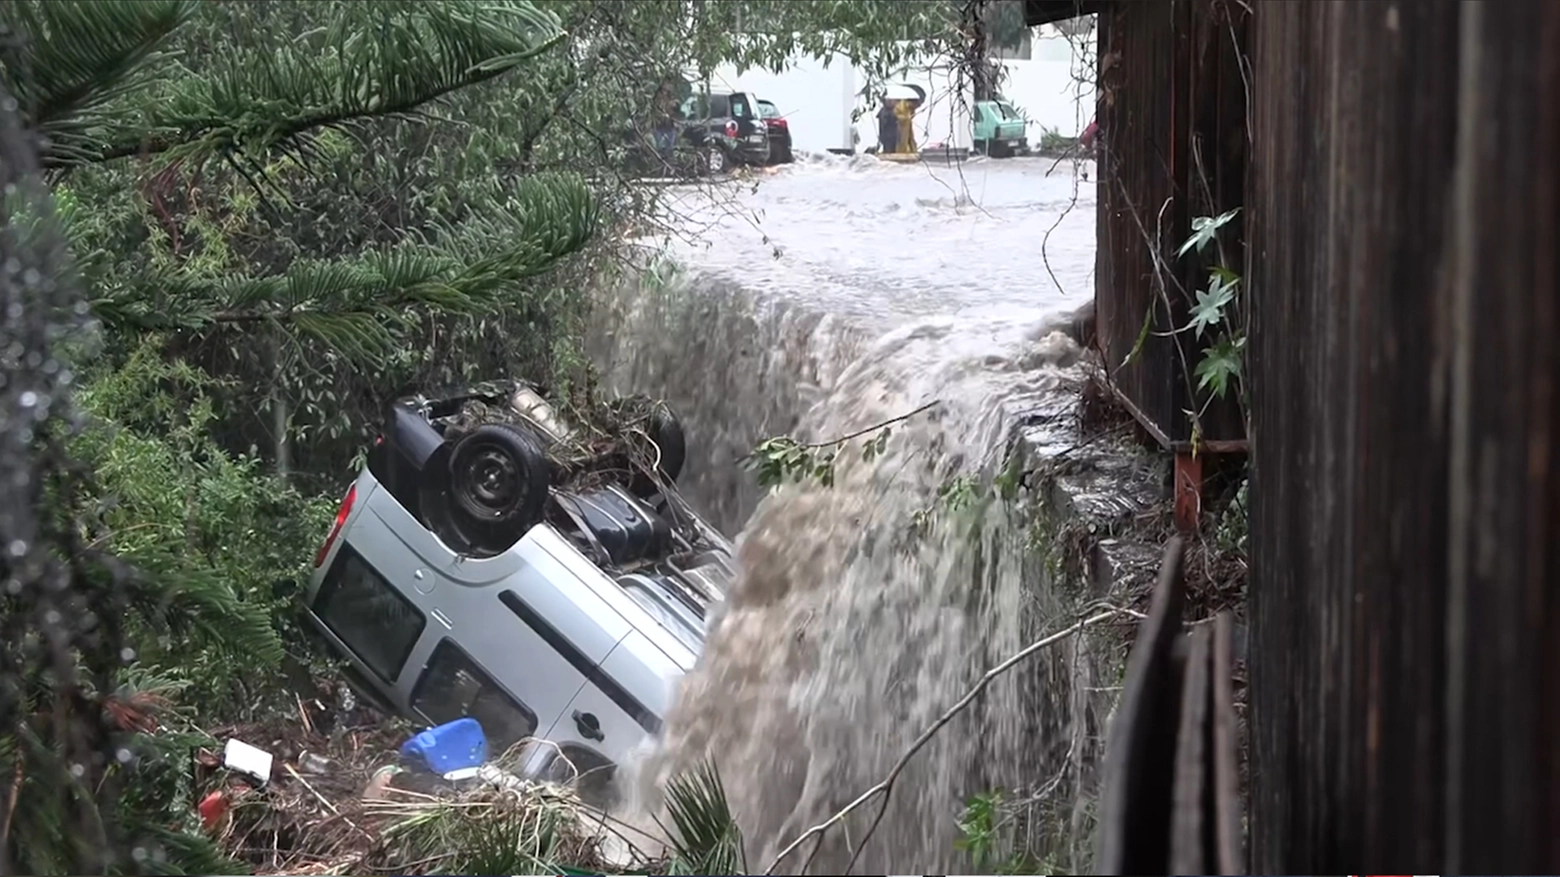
pixel 588 726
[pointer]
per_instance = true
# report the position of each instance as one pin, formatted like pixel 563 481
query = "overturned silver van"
pixel 465 575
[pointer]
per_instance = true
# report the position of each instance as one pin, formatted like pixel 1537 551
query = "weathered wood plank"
pixel 1502 760
pixel 1404 672
pixel 1191 819
pixel 1140 758
pixel 1229 842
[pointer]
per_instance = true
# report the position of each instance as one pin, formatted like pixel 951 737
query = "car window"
pixel 594 771
pixel 767 110
pixel 720 106
pixel 661 608
pixel 1007 111
pixel 374 620
pixel 453 686
pixel 980 115
pixel 739 107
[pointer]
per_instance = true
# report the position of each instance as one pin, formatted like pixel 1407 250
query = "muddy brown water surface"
pixel 839 294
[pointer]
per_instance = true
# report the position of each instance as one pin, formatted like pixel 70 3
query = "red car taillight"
pixel 335 528
pixel 731 130
pixel 779 123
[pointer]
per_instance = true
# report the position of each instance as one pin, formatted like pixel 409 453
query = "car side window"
pixel 980 115
pixel 453 686
pixel 595 774
pixel 375 621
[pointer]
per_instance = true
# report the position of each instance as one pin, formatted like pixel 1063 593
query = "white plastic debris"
pixel 500 778
pixel 242 757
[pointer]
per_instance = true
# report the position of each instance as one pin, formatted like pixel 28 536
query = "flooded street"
pixel 880 243
pixel 841 294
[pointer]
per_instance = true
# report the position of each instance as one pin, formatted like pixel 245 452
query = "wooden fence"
pixel 1172 121
pixel 1404 275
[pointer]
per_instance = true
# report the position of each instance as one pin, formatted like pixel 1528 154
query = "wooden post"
pixel 1188 491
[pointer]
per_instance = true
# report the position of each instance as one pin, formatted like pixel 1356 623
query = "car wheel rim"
pixel 493 480
pixel 717 161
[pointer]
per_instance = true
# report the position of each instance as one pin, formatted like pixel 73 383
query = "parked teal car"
pixel 999 128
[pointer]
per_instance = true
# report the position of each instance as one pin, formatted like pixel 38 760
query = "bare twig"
pixel 10 804
pixel 885 787
pixel 858 433
pixel 874 427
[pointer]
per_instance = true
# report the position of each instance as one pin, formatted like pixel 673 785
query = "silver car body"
pixel 537 642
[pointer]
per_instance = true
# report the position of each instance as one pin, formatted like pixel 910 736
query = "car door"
pixel 750 126
pixel 982 126
pixel 614 713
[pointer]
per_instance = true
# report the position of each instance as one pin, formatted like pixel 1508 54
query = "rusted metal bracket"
pixel 1188 491
pixel 1171 802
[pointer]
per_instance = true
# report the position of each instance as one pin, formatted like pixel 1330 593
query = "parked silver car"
pixel 461 578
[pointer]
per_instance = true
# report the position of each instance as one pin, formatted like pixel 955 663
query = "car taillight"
pixel 731 129
pixel 335 527
pixel 780 123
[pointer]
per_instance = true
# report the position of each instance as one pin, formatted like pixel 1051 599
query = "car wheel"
pixel 671 445
pixel 785 155
pixel 715 160
pixel 499 478
pixel 667 433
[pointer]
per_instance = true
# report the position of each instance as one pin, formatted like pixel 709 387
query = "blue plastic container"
pixel 450 746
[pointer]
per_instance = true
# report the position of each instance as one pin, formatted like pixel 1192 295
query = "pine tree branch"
pixel 360 306
pixel 77 58
pixel 384 58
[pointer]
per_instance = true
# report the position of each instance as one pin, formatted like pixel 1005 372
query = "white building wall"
pixel 1055 87
pixel 822 98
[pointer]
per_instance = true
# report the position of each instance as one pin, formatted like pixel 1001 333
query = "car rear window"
pixel 453 686
pixel 378 624
pixel 767 110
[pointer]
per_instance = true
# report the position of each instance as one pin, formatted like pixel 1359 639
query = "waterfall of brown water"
pixel 850 629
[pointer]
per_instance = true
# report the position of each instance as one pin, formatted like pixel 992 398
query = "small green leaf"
pixel 1220 364
pixel 1204 230
pixel 1208 313
pixel 1142 336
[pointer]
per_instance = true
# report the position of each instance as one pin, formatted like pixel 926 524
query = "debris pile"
pixel 358 793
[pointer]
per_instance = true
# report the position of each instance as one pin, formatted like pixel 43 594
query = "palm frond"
pixel 359 306
pixel 705 837
pixel 384 58
pixel 75 59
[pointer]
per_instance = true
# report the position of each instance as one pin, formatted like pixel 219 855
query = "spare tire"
pixel 499 479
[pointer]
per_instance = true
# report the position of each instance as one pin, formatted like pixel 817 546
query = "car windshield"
pixel 767 110
pixel 1007 111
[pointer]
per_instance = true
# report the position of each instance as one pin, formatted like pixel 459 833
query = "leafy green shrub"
pixel 227 543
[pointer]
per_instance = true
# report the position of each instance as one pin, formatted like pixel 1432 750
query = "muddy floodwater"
pixel 838 294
